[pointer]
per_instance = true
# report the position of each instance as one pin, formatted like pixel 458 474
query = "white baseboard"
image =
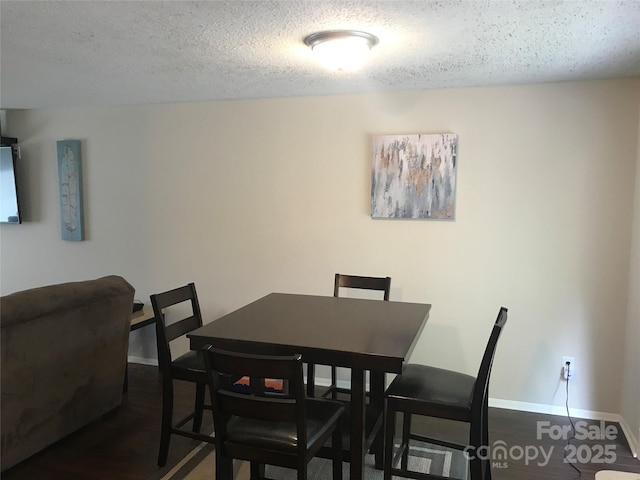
pixel 634 444
pixel 553 410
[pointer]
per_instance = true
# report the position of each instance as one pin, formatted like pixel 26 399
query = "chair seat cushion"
pixel 433 390
pixel 321 414
pixel 189 367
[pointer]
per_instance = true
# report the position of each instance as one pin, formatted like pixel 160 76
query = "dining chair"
pixel 446 394
pixel 284 428
pixel 380 284
pixel 189 367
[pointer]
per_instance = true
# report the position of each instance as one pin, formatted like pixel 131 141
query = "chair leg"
pixel 199 406
pixel 256 471
pixel 389 430
pixel 302 472
pixel 475 464
pixel 334 383
pixel 224 467
pixel 485 436
pixel 311 380
pixel 336 442
pixel 476 441
pixel 167 420
pixel 406 432
pixel 376 402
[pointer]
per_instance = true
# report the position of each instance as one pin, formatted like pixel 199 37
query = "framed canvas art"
pixel 414 176
pixel 70 185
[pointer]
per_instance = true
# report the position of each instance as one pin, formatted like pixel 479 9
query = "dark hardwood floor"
pixel 124 445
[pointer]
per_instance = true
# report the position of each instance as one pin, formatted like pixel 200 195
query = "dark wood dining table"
pixel 363 335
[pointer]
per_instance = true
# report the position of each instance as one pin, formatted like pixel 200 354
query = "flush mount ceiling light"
pixel 341 49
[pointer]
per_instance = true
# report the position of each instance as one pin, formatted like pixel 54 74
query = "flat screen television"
pixel 9 204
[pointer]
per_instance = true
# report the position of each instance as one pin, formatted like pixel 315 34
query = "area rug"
pixel 613 475
pixel 200 465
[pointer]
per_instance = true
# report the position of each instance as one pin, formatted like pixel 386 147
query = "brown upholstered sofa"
pixel 64 354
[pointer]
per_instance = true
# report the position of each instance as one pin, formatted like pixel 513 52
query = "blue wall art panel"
pixel 70 178
pixel 414 176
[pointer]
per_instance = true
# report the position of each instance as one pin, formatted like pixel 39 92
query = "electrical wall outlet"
pixel 568 371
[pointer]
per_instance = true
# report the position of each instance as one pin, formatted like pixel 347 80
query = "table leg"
pixel 256 471
pixel 377 404
pixel 358 398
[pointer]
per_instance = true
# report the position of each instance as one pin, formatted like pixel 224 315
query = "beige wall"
pixel 630 408
pixel 249 197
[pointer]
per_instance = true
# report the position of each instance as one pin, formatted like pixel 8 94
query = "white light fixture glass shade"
pixel 341 49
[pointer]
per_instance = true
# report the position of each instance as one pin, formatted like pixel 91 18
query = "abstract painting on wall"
pixel 414 176
pixel 70 181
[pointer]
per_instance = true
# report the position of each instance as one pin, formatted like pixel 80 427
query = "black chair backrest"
pixel 481 389
pixel 167 333
pixel 382 284
pixel 288 406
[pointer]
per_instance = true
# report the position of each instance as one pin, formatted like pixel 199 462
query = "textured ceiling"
pixel 77 53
